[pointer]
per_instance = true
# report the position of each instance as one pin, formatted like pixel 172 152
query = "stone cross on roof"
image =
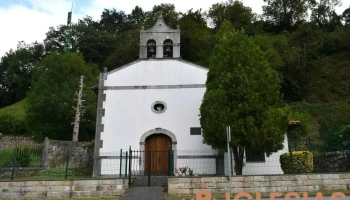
pixel 160 14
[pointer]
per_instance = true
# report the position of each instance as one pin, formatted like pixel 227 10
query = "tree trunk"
pixel 238 153
pixel 78 113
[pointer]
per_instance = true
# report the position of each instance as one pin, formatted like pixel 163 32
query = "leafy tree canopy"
pixel 52 96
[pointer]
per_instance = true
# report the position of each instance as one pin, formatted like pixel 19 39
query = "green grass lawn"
pixel 16 110
pixel 54 174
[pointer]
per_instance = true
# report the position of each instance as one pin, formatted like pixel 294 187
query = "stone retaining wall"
pixel 337 161
pixel 252 184
pixel 63 189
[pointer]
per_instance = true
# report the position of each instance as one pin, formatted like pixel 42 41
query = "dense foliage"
pixel 52 96
pixel 340 140
pixel 305 41
pixel 9 125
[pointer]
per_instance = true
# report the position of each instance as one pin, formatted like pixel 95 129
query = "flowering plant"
pixel 183 169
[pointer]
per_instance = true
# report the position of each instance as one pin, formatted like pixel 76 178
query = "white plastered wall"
pixel 128 114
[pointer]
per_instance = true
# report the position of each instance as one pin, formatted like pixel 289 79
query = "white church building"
pixel 153 104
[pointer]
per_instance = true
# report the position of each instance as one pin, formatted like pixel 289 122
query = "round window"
pixel 158 107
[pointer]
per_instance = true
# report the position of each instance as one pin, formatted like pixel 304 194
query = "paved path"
pixel 144 193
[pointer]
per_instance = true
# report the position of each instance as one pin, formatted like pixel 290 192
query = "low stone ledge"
pixel 268 183
pixel 63 189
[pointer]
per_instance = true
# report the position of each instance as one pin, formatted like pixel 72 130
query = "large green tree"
pixel 52 96
pixel 242 92
pixel 234 11
pixel 197 40
pixel 286 14
pixel 324 15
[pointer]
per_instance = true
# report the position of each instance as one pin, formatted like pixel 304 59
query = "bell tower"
pixel 160 41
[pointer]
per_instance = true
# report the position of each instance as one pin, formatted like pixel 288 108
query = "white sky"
pixel 29 20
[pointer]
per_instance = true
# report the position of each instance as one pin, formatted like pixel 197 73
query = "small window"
pixel 195 131
pixel 158 107
pixel 253 155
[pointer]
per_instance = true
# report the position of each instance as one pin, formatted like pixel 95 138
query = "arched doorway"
pixel 157 153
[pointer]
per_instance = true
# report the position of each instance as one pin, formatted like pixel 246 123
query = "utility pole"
pixel 78 111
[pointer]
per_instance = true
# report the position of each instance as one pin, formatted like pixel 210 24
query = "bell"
pixel 151 50
pixel 168 50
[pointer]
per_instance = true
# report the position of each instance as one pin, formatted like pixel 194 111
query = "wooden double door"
pixel 157 154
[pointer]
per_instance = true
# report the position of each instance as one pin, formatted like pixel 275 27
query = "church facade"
pixel 153 104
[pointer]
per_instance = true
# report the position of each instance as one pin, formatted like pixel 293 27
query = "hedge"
pixel 302 162
pixel 9 125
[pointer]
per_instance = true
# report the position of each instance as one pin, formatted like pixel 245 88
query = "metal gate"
pixel 150 168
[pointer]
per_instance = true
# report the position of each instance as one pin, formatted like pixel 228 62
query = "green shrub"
pixel 302 162
pixel 9 125
pixel 23 157
pixel 5 158
pixel 340 140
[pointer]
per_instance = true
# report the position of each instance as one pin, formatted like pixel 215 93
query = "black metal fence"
pixel 23 161
pixel 19 155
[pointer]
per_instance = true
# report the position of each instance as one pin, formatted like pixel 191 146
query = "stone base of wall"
pixel 63 189
pixel 253 184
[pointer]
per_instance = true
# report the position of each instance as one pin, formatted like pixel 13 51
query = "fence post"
pixel 231 160
pixel 45 153
pixel 171 162
pixel 149 168
pixel 13 165
pixel 126 164
pixel 310 147
pixel 120 163
pixel 67 163
pixel 130 157
pixel 291 160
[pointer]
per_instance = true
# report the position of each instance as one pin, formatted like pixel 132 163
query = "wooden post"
pixel 78 112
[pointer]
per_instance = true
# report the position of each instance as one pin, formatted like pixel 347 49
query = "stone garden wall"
pixel 11 142
pixel 252 184
pixel 62 189
pixel 338 161
pixel 55 154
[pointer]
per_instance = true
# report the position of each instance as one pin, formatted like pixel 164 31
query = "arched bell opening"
pixel 168 48
pixel 151 48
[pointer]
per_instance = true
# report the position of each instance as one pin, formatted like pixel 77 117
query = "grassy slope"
pixel 16 110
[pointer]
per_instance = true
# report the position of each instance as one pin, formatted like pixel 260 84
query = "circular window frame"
pixel 156 111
